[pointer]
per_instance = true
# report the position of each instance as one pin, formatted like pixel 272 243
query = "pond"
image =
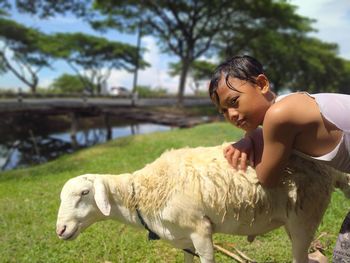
pixel 31 140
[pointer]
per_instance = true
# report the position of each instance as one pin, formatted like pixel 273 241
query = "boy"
pixel 314 126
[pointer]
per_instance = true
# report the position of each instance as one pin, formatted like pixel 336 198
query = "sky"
pixel 332 24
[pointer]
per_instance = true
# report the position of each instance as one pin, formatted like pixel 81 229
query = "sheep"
pixel 187 195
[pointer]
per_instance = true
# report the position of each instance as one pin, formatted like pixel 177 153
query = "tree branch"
pixel 13 70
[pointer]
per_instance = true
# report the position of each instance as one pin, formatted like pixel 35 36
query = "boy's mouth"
pixel 240 123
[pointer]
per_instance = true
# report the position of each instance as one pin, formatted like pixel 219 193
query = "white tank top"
pixel 336 109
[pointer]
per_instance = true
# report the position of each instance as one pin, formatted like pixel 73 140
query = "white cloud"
pixel 333 21
pixel 120 78
pixel 64 20
pixel 45 82
pixel 154 76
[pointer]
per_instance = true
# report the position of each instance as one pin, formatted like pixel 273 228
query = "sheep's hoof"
pixel 317 257
pixel 250 238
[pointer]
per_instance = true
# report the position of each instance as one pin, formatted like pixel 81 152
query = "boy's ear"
pixel 263 83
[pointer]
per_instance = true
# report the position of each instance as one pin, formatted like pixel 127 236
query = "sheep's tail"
pixel 342 182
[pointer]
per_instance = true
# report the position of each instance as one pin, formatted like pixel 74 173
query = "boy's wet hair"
pixel 241 67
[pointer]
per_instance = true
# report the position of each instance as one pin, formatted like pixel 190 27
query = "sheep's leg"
pixel 204 248
pixel 302 225
pixel 202 241
pixel 188 258
pixel 300 246
pixel 301 234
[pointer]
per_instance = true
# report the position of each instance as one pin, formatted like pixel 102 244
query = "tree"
pixel 22 52
pixel 344 81
pixel 268 29
pixel 92 58
pixel 200 70
pixel 317 67
pixel 67 83
pixel 280 41
pixel 185 28
pixel 49 8
pixel 4 5
pixel 189 29
pixel 296 61
pixel 269 36
pixel 147 92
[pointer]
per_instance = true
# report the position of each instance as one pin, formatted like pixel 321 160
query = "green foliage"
pixel 147 92
pixel 4 5
pixel 190 29
pixel 27 46
pixel 29 200
pixel 93 58
pixel 185 29
pixel 344 80
pixel 291 58
pixel 91 51
pixel 317 67
pixel 48 8
pixel 200 69
pixel 297 62
pixel 67 83
pixel 270 30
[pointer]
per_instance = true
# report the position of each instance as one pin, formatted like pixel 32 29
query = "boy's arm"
pixel 256 137
pixel 249 148
pixel 279 133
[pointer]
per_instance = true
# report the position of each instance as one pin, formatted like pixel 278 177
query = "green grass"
pixel 29 200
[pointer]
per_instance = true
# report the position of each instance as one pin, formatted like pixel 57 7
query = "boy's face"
pixel 245 103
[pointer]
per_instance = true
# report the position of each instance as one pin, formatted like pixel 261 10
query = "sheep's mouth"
pixel 72 235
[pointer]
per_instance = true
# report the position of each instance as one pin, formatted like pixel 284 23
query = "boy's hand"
pixel 239 153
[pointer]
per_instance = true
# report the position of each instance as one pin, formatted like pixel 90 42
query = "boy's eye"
pixel 234 101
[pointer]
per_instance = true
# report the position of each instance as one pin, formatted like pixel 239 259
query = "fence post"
pixel 20 95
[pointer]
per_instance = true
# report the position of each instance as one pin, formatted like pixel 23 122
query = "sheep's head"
pixel 84 200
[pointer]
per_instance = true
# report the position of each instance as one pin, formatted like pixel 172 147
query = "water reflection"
pixel 33 148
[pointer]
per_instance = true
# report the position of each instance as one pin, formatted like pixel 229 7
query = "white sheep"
pixel 187 195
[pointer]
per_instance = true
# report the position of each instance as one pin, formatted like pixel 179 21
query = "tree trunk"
pixel 34 84
pixel 99 88
pixel 185 66
pixel 32 89
pixel 138 46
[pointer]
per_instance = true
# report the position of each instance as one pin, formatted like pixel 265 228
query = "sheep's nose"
pixel 60 230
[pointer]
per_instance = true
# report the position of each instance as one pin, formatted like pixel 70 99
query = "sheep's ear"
pixel 101 197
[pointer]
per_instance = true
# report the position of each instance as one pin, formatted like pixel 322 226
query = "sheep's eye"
pixel 85 192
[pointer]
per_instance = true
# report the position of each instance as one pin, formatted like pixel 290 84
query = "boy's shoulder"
pixel 296 108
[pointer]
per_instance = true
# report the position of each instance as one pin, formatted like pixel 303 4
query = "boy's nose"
pixel 232 114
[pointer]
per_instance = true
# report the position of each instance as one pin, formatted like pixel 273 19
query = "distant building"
pixel 119 91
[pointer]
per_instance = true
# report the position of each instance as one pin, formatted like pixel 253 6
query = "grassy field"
pixel 29 201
